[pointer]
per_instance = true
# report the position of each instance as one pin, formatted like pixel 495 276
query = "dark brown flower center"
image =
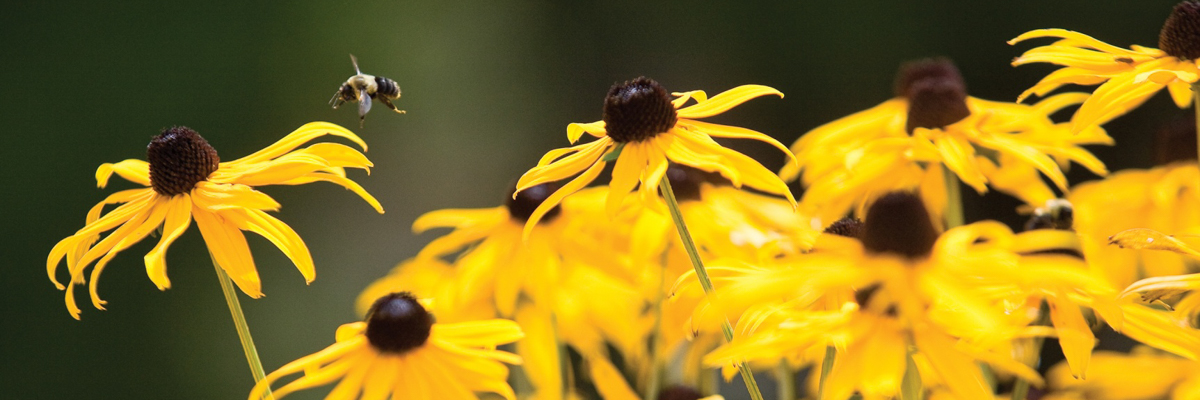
pixel 679 392
pixel 686 181
pixel 179 159
pixel 936 93
pixel 398 323
pixel 522 207
pixel 1180 35
pixel 898 223
pixel 638 110
pixel 848 227
pixel 1175 141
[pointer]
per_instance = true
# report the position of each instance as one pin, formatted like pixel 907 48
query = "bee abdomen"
pixel 386 87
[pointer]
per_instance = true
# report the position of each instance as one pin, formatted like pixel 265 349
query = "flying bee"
pixel 363 88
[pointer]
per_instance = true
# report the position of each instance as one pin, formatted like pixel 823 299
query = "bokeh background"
pixel 489 87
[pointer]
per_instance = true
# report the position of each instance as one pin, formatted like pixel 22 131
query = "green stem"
pixel 787 381
pixel 1196 107
pixel 826 367
pixel 239 322
pixel 658 367
pixel 954 208
pixel 911 387
pixel 1021 386
pixel 690 246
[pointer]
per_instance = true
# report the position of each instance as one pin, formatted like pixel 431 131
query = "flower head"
pixel 185 180
pixel 1127 77
pixel 643 130
pixel 903 143
pixel 400 350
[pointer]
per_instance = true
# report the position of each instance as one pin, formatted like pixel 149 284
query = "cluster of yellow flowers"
pixel 871 282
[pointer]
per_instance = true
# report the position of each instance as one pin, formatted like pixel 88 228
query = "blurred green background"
pixel 489 87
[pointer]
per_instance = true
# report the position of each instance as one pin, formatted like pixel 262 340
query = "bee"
pixel 363 88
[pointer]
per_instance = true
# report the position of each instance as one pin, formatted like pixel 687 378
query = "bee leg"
pixel 392 106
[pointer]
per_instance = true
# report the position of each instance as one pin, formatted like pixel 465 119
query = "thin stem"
pixel 826 367
pixel 786 379
pixel 690 246
pixel 954 208
pixel 239 322
pixel 911 386
pixel 657 363
pixel 1196 107
pixel 1021 386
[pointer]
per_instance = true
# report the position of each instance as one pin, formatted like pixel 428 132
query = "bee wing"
pixel 355 62
pixel 364 103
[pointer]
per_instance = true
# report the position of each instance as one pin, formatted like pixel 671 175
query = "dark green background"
pixel 489 87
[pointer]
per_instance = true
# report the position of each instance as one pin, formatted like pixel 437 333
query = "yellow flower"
pixel 400 351
pixel 186 181
pixel 907 289
pixel 643 130
pixel 1127 77
pixel 902 143
pixel 500 265
pixel 1141 374
pixel 1162 198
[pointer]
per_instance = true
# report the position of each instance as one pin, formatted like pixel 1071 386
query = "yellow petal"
pixel 1149 239
pixel 216 196
pixel 456 218
pixel 1073 332
pixel 279 234
pixel 1075 37
pixel 959 156
pixel 229 249
pixel 726 100
pixel 734 132
pixel 340 181
pixel 571 187
pixel 136 171
pixel 1181 93
pixel 625 175
pixel 575 130
pixel 297 138
pixel 562 168
pixel 178 218
pixel 158 212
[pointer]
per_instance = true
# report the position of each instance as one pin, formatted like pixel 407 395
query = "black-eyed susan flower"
pixel 400 351
pixel 902 143
pixel 500 266
pixel 643 130
pixel 1162 198
pixel 1127 77
pixel 907 293
pixel 185 180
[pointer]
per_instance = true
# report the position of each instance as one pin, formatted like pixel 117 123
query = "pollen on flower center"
pixel 179 159
pixel 898 223
pixel 638 110
pixel 936 93
pixel 398 323
pixel 1180 35
pixel 848 227
pixel 522 206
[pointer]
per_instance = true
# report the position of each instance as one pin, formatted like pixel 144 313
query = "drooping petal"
pixel 278 233
pixel 216 196
pixel 297 138
pixel 734 132
pixel 1075 37
pixel 564 167
pixel 178 218
pixel 158 211
pixel 571 187
pixel 229 249
pixel 1073 332
pixel 340 181
pixel 575 130
pixel 136 171
pixel 625 175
